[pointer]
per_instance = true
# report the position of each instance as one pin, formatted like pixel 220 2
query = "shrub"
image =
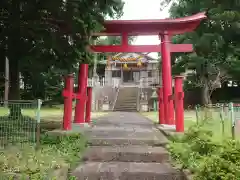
pixel 208 160
pixel 55 152
pixel 214 167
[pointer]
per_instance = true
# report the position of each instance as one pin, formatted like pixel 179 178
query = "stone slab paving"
pixel 126 146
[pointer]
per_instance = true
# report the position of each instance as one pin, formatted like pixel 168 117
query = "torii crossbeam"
pixel 164 28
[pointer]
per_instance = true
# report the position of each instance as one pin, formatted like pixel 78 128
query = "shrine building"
pixel 132 69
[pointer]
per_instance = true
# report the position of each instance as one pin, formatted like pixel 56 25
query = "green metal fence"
pixel 227 114
pixel 19 122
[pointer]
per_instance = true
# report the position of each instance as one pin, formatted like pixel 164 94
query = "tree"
pixel 111 40
pixel 216 43
pixel 41 36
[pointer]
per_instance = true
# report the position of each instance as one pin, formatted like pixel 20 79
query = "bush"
pixel 207 160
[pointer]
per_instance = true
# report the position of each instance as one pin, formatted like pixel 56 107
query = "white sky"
pixel 144 9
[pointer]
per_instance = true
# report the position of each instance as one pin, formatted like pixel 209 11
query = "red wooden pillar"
pixel 68 97
pixel 88 105
pixel 161 119
pixel 167 79
pixel 82 93
pixel 179 109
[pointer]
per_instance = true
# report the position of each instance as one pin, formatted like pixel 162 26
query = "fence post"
pixel 179 109
pixel 222 119
pixel 232 119
pixel 68 96
pixel 88 105
pixel 38 114
pixel 197 114
pixel 161 116
pixel 81 94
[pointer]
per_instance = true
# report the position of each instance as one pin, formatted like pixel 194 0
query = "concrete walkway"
pixel 126 146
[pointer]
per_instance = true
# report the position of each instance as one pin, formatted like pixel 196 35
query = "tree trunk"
pixel 14 91
pixel 14 51
pixel 206 99
pixel 90 71
pixel 206 96
pixel 6 89
pixel 14 55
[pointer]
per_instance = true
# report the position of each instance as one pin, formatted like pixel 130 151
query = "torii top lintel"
pixel 151 27
pixel 125 28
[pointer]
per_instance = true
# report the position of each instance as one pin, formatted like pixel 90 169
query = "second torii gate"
pixel 164 28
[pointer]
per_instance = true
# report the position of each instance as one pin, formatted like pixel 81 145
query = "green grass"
pixel 54 153
pixel 23 128
pixel 213 124
pixel 55 114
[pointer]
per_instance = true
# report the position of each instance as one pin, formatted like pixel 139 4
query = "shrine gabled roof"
pixel 135 54
pixel 152 27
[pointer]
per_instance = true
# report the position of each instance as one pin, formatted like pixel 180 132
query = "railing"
pixel 149 82
pixel 144 82
pixel 114 82
pixel 116 97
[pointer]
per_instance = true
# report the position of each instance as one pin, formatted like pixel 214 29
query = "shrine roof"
pixel 152 26
pixel 138 55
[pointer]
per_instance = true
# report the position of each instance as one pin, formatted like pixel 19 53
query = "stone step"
pixel 123 134
pixel 111 141
pixel 126 171
pixel 133 125
pixel 128 93
pixel 133 103
pixel 108 128
pixel 127 100
pixel 117 134
pixel 126 104
pixel 127 154
pixel 130 109
pixel 125 107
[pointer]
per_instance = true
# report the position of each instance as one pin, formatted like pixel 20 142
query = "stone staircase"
pixel 126 146
pixel 127 99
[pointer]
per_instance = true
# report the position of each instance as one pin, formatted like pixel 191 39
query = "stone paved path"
pixel 126 146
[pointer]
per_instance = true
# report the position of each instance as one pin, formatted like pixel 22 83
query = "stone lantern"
pixel 154 97
pixel 105 105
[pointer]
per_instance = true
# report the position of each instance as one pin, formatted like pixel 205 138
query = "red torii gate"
pixel 164 28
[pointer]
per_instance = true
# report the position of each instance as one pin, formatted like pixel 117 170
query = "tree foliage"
pixel 216 43
pixel 45 39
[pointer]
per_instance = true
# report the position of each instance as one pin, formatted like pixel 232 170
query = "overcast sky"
pixel 144 9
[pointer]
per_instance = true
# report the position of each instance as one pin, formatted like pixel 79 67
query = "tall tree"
pixel 41 36
pixel 216 43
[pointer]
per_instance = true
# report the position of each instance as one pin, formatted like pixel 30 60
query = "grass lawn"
pixel 19 155
pixel 190 117
pixel 51 118
pixel 54 153
pixel 55 114
pixel 214 124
